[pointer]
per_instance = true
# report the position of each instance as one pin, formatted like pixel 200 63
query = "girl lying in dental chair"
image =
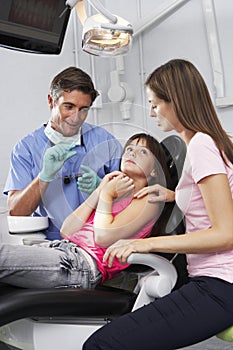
pixel 111 212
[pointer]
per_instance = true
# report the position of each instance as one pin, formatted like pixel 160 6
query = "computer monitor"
pixel 36 26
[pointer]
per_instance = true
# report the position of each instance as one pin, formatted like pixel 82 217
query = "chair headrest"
pixel 175 150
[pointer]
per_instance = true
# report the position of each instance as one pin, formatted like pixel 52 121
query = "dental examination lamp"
pixel 104 34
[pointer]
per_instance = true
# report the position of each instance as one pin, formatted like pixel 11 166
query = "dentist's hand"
pixel 89 181
pixel 53 160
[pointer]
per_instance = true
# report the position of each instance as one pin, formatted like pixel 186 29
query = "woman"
pixel 203 307
pixel 110 213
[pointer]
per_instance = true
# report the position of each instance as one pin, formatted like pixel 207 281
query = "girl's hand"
pixel 108 177
pixel 156 193
pixel 123 248
pixel 118 186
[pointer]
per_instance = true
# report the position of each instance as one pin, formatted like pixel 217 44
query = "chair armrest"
pixel 157 283
pixel 156 262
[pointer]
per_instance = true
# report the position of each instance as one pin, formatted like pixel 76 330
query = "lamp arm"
pixel 112 26
pixel 101 9
pixel 71 3
pixel 97 6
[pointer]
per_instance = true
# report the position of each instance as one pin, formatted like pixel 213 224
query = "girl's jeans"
pixel 45 265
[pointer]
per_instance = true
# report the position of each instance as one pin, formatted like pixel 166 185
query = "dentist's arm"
pixel 25 201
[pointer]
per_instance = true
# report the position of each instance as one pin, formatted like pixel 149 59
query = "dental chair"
pixel 63 318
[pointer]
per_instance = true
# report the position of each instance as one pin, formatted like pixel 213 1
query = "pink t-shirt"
pixel 203 159
pixel 85 238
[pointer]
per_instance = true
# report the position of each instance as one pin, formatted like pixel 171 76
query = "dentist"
pixel 54 167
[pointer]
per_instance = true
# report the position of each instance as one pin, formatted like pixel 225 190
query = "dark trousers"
pixel 193 313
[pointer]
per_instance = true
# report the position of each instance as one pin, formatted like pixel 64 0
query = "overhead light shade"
pixel 103 38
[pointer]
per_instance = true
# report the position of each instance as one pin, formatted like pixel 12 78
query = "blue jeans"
pixel 195 312
pixel 46 265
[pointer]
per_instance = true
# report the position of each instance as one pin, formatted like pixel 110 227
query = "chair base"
pixel 30 334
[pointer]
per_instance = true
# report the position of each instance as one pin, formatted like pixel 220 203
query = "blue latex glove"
pixel 53 160
pixel 89 180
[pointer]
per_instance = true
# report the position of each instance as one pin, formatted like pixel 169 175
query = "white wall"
pixel 25 78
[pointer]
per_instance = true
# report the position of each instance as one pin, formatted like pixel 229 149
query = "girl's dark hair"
pixel 163 177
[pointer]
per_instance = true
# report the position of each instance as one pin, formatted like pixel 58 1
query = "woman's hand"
pixel 156 193
pixel 123 248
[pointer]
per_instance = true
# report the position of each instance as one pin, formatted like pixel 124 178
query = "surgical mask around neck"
pixel 56 137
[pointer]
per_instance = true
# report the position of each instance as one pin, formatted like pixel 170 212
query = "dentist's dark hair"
pixel 72 78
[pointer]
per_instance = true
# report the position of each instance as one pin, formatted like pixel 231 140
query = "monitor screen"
pixel 36 26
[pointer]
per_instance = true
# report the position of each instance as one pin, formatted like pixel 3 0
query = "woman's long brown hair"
pixel 179 82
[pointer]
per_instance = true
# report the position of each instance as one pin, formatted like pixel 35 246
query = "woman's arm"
pixel 218 200
pixel 109 228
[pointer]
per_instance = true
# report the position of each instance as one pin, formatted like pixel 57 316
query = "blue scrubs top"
pixel 99 150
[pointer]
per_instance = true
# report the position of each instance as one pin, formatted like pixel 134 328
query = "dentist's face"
pixel 69 111
pixel 163 112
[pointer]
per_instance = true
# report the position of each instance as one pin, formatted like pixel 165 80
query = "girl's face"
pixel 164 112
pixel 138 160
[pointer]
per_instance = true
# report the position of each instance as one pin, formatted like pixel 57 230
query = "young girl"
pixel 203 307
pixel 110 213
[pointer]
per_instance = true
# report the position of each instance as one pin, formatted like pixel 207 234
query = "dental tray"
pixel 27 224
